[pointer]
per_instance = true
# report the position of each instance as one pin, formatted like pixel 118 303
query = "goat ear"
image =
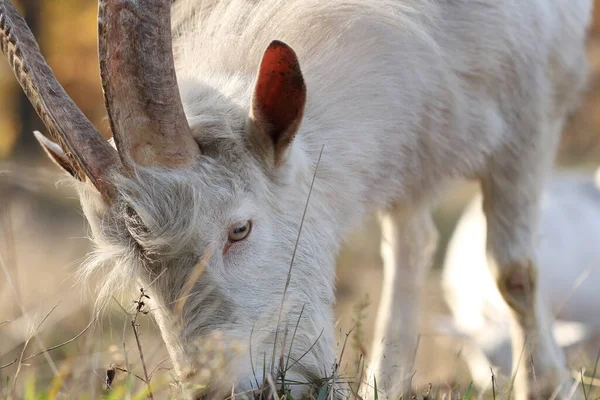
pixel 56 154
pixel 279 97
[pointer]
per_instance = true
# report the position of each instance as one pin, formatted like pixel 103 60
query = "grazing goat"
pixel 224 112
pixel 569 276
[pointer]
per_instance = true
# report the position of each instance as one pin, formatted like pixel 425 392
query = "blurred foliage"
pixel 66 31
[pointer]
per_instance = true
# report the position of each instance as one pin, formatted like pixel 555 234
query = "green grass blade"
pixel 468 392
pixel 322 392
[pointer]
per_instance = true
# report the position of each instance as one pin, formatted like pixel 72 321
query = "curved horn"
pixel 89 153
pixel 140 85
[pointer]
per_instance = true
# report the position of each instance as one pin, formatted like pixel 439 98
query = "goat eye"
pixel 240 232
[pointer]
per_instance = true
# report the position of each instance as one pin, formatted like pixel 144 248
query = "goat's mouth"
pixel 266 390
pixel 257 394
pixel 222 369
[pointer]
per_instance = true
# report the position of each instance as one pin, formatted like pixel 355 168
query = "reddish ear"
pixel 279 96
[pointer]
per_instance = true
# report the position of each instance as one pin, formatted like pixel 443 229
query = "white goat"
pixel 402 96
pixel 569 276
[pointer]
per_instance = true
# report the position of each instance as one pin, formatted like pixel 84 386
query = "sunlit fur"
pixel 403 97
pixel 569 264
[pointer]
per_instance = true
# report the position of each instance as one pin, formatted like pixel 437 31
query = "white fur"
pixel 569 264
pixel 403 96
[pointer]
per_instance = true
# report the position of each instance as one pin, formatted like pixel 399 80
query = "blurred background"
pixel 43 232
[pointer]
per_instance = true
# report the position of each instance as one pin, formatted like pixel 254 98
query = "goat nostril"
pixel 208 394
